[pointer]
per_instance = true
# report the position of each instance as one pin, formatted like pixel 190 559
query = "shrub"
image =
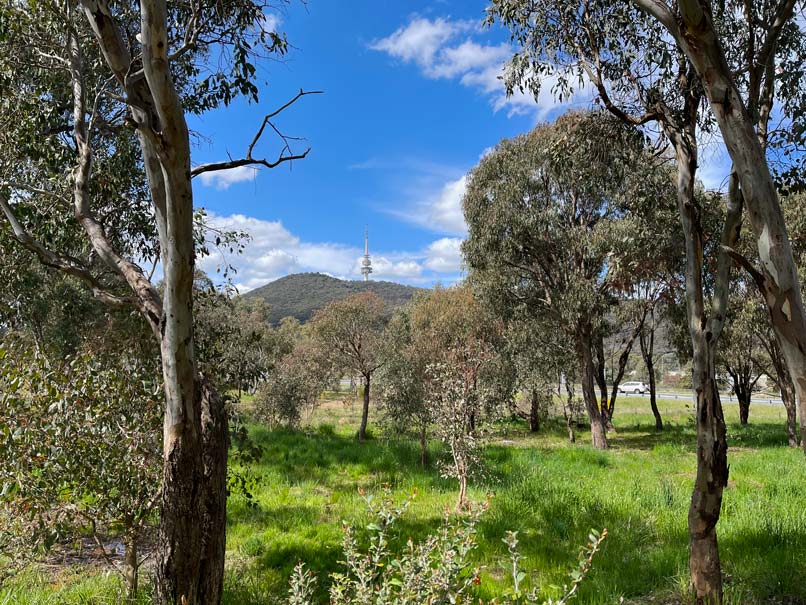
pixel 81 452
pixel 436 571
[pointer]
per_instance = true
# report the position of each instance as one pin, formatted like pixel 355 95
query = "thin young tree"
pixel 349 333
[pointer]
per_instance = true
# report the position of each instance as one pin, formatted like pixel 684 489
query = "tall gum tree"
pixel 652 63
pixel 93 99
pixel 743 121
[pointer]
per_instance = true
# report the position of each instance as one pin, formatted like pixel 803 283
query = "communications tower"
pixel 366 263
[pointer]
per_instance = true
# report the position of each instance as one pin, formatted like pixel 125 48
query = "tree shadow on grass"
pixel 340 461
pixel 644 437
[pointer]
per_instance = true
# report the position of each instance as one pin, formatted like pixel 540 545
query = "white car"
pixel 636 387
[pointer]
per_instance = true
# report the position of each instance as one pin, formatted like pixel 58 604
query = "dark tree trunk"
pixel 653 400
pixel 744 407
pixel 424 445
pixel 216 442
pixel 787 388
pixel 601 380
pixel 788 397
pixel 569 421
pixel 180 536
pixel 534 412
pixel 362 431
pixel 647 342
pixel 584 342
pixel 743 389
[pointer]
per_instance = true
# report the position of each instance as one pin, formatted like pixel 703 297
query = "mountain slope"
pixel 302 294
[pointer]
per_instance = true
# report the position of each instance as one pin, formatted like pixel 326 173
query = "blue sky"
pixel 411 101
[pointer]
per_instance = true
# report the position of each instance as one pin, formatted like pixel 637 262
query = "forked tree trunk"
pixel 362 431
pixel 623 358
pixel 584 342
pixel 712 467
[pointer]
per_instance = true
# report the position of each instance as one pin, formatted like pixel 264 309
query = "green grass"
pixel 550 491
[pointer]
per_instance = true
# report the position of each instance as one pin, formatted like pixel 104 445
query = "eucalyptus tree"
pixel 741 354
pixel 539 355
pixel 552 234
pixel 96 172
pixel 654 62
pixel 349 332
pixel 294 386
pixel 450 320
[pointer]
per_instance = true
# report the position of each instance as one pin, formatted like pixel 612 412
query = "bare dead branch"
pixel 286 154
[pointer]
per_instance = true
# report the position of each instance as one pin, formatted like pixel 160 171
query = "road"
pixel 725 397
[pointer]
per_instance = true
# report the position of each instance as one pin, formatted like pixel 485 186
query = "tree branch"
pixel 63 262
pixel 286 155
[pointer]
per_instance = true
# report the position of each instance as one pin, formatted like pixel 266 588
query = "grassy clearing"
pixel 550 491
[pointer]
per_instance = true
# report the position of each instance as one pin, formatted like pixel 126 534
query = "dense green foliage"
pixel 303 294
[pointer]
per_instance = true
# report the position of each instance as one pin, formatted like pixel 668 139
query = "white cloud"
pixel 439 211
pixel 273 252
pixel 420 40
pixel 270 23
pixel 445 255
pixel 436 47
pixel 446 210
pixel 224 179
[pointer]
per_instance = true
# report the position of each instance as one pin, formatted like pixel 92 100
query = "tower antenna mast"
pixel 366 263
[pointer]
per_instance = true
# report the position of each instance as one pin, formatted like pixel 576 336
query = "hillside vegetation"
pixel 302 294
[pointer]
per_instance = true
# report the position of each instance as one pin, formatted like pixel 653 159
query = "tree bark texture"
pixel 712 467
pixel 192 530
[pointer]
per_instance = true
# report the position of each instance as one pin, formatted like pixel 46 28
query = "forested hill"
pixel 302 294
